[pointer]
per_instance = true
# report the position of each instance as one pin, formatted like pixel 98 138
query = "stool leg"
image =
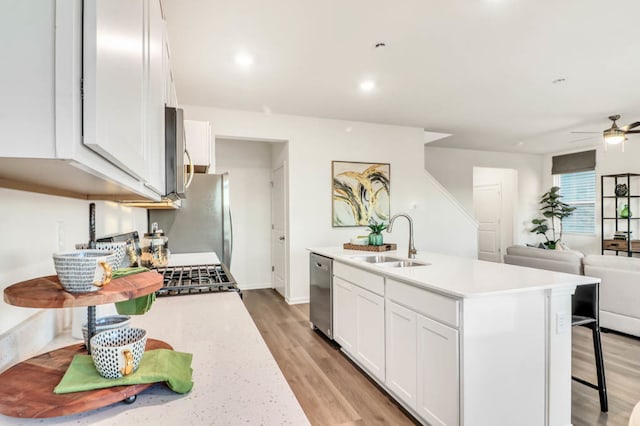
pixel 597 350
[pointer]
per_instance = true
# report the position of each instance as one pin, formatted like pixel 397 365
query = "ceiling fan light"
pixel 614 136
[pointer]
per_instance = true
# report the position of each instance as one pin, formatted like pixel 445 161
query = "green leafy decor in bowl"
pixel 375 237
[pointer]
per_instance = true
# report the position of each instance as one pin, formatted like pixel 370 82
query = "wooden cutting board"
pixel 26 389
pixel 47 292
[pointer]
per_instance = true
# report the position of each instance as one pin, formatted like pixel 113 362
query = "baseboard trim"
pixel 256 286
pixel 297 301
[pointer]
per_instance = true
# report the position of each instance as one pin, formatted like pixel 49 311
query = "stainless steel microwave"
pixel 178 175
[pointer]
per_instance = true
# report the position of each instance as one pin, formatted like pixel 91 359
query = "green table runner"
pixel 158 365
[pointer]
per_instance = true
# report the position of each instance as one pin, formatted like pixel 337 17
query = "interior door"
pixel 278 232
pixel 487 200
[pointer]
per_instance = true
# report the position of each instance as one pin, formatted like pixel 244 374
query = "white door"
pixel 438 379
pixel 487 201
pixel 278 232
pixel 401 352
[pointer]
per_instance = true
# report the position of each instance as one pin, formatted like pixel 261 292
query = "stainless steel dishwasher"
pixel 321 294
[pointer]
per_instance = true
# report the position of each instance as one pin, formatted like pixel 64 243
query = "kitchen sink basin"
pixel 376 259
pixel 403 264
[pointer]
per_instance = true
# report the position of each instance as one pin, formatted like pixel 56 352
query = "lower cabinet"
pixel 437 373
pixel 422 364
pixel 402 353
pixel 358 325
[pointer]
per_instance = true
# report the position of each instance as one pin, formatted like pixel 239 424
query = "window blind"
pixel 573 163
pixel 579 191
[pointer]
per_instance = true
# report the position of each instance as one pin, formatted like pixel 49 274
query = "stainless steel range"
pixel 196 279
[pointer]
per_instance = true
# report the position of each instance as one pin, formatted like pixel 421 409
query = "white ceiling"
pixel 480 70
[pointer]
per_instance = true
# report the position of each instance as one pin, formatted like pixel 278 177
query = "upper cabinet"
pixel 199 144
pixel 86 94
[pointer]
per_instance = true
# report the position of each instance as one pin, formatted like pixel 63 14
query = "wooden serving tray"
pixel 47 292
pixel 384 247
pixel 26 389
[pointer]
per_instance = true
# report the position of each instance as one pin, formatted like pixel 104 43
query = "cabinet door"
pixel 401 352
pixel 438 378
pixel 198 141
pixel 344 314
pixel 370 332
pixel 114 82
pixel 155 99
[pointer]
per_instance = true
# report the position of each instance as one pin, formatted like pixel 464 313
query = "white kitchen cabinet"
pixel 359 317
pixel 401 352
pixel 199 143
pixel 154 140
pixel 438 377
pixel 82 132
pixel 422 352
pixel 344 308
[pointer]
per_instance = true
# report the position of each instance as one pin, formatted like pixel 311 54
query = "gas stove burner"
pixel 196 279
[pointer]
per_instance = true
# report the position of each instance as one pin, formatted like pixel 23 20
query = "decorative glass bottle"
pixel 625 212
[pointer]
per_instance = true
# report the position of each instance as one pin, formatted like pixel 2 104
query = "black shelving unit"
pixel 610 214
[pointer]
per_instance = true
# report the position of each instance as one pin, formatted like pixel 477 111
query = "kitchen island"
pixel 458 341
pixel 236 379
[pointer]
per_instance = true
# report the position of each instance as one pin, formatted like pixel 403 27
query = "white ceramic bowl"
pixel 84 270
pixel 360 241
pixel 111 322
pixel 117 353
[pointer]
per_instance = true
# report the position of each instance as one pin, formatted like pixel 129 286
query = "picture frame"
pixel 361 193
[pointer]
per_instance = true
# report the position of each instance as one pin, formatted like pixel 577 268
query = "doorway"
pixel 494 195
pixel 278 231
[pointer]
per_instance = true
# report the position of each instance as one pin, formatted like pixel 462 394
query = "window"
pixel 579 191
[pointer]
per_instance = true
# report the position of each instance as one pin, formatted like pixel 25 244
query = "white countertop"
pixel 181 259
pixel 461 277
pixel 236 379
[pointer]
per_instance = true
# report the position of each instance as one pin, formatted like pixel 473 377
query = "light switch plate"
pixel 563 322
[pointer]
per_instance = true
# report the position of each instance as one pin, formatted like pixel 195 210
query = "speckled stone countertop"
pixel 236 379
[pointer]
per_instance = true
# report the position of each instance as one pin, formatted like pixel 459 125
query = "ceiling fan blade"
pixel 583 139
pixel 630 126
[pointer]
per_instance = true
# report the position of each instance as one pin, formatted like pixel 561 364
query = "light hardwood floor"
pixel 333 391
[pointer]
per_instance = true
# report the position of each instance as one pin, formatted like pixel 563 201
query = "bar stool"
pixel 585 313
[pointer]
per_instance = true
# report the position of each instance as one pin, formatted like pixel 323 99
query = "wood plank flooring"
pixel 333 391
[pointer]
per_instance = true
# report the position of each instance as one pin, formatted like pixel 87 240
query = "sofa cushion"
pixel 569 261
pixel 614 262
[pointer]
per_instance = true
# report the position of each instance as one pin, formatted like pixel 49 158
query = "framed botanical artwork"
pixel 360 193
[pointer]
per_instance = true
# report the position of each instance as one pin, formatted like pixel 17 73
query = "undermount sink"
pixel 403 264
pixel 376 259
pixel 388 261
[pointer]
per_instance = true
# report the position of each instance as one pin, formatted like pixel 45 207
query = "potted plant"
pixel 555 210
pixel 375 237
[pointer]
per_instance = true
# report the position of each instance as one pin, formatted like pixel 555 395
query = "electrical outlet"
pixel 60 235
pixel 563 323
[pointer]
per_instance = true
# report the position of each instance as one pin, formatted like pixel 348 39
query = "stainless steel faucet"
pixel 412 248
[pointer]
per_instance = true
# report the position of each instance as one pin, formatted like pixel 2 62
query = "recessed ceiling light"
pixel 380 45
pixel 244 60
pixel 367 85
pixel 559 80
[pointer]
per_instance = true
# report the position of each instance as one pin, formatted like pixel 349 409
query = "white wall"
pixel 313 144
pixel 29 225
pixel 453 168
pixel 608 162
pixel 249 166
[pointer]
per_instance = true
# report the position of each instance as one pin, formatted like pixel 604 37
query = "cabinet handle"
pixel 191 170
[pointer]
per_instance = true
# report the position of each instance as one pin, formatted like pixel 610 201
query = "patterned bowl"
pixel 117 353
pixel 84 270
pixel 119 248
pixel 111 322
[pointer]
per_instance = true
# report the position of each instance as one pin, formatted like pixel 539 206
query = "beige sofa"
pixel 569 261
pixel 619 289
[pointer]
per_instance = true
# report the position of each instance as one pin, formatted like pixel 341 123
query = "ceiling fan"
pixel 614 134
